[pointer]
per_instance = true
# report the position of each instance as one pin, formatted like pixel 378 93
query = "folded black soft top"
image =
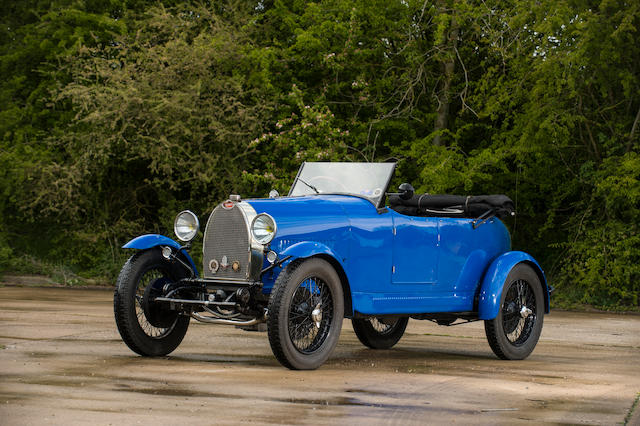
pixel 471 206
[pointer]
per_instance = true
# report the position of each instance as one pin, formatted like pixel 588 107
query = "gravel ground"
pixel 62 362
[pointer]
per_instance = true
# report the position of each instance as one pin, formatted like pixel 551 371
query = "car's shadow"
pixel 416 354
pixel 401 358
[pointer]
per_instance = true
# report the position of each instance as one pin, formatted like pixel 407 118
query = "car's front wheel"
pixel 149 328
pixel 306 310
pixel 379 333
pixel 514 333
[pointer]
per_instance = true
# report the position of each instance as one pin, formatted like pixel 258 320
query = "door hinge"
pixel 393 269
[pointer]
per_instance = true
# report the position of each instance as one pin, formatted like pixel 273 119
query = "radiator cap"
pixel 235 197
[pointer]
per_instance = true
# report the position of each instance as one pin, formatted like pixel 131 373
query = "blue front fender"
pixel 308 249
pixel 496 275
pixel 151 240
pixel 145 242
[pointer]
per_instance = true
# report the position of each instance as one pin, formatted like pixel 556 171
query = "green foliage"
pixel 57 273
pixel 174 103
pixel 602 265
pixel 309 133
pixel 116 115
pixel 5 252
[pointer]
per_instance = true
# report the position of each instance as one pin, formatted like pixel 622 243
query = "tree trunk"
pixel 632 134
pixel 449 47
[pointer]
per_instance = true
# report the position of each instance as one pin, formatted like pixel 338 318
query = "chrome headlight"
pixel 263 228
pixel 186 225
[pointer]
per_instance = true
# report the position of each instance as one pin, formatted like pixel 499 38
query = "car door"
pixel 415 251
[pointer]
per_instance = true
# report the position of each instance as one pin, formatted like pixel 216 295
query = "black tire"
pixel 306 309
pixel 514 333
pixel 379 334
pixel 135 318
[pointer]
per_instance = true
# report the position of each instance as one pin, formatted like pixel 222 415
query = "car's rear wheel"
pixel 149 328
pixel 514 333
pixel 379 333
pixel 306 310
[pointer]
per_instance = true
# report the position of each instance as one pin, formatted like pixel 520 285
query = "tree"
pixel 119 114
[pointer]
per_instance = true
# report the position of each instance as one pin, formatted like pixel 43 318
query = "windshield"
pixel 367 180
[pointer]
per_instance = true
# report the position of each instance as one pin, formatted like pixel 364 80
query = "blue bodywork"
pixel 491 289
pixel 151 240
pixel 145 242
pixel 390 263
pixel 397 264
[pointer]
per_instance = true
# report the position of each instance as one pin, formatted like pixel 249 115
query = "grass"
pixel 567 305
pixel 57 273
pixel 632 410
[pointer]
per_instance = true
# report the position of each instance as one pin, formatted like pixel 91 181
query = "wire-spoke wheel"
pixel 518 312
pixel 147 314
pixel 310 315
pixel 305 314
pixel 514 333
pixel 147 327
pixel 379 333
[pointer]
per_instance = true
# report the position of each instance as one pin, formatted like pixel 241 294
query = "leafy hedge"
pixel 116 115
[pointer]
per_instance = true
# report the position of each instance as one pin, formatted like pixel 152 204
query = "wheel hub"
pixel 157 314
pixel 316 315
pixel 525 312
pixel 511 308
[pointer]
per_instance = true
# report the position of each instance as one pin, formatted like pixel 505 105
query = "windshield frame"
pixel 381 200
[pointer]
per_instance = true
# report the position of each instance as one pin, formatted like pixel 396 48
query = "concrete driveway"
pixel 62 362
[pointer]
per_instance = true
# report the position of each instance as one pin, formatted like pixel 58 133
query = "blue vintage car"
pixel 338 245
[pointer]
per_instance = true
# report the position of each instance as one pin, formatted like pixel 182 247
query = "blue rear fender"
pixel 496 275
pixel 148 241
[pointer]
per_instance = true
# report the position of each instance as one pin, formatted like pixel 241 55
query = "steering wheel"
pixel 330 179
